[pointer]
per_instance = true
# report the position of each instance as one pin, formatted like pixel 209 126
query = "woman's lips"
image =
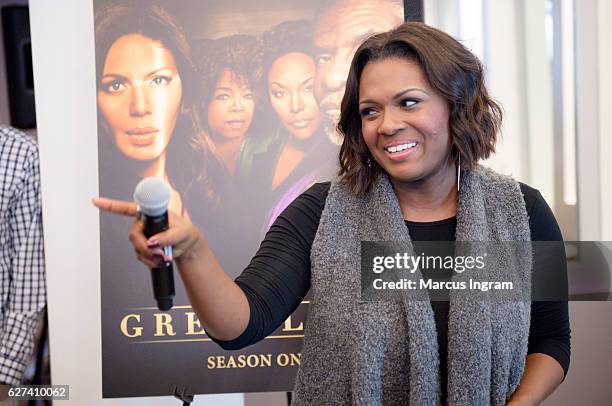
pixel 301 123
pixel 400 152
pixel 235 124
pixel 142 135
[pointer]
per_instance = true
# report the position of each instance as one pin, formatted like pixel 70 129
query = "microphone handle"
pixel 162 277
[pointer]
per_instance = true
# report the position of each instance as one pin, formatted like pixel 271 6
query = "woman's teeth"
pixel 400 147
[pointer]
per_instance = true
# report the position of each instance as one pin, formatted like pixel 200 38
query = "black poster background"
pixel 141 356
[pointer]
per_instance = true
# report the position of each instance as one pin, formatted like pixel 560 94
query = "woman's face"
pixel 230 111
pixel 403 120
pixel 140 95
pixel 291 89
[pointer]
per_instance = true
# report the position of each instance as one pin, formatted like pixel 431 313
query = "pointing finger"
pixel 115 206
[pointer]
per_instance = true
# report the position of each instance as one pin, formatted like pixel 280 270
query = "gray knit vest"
pixel 386 353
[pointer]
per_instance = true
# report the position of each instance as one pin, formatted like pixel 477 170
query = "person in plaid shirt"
pixel 22 262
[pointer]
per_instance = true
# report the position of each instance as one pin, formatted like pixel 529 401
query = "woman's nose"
pixel 237 104
pixel 297 102
pixel 139 105
pixel 390 124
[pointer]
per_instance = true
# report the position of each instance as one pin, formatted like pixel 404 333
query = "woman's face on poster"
pixel 140 95
pixel 230 111
pixel 291 91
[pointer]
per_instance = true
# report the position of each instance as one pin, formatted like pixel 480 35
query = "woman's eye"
pixel 160 80
pixel 222 96
pixel 114 86
pixel 248 96
pixel 367 113
pixel 408 102
pixel 309 89
pixel 278 94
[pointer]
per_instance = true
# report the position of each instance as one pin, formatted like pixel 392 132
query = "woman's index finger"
pixel 116 206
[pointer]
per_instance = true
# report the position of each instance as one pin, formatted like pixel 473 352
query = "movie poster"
pixel 234 105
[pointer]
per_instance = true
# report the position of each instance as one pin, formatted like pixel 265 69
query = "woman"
pixel 147 108
pixel 415 116
pixel 299 153
pixel 290 71
pixel 229 69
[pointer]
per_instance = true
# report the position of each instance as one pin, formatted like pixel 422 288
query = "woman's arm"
pixel 278 277
pixel 220 304
pixel 548 356
pixel 238 313
pixel 542 376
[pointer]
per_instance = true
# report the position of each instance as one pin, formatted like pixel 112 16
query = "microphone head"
pixel 152 196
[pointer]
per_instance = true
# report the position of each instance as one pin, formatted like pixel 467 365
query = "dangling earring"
pixel 458 172
pixel 369 162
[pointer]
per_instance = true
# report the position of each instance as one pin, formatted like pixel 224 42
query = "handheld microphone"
pixel 152 197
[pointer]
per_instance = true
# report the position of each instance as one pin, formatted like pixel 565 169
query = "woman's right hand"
pixel 221 305
pixel 181 235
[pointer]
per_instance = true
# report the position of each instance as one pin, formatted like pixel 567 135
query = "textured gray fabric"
pixel 385 353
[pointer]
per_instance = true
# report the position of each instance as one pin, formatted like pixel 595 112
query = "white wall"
pixel 63 57
pixel 505 81
pixel 604 14
pixel 536 96
pixel 587 121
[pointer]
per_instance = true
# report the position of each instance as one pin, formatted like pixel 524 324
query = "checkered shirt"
pixel 22 261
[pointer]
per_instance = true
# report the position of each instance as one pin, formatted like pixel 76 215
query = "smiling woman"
pixel 146 107
pixel 441 110
pixel 415 115
pixel 404 121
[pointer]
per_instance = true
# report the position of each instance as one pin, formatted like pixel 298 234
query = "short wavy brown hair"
pixel 451 70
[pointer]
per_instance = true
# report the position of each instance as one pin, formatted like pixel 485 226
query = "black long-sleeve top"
pixel 278 277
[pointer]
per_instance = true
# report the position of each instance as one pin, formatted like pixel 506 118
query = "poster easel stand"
pixel 183 396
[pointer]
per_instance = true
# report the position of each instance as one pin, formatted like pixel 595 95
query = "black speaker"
pixel 18 56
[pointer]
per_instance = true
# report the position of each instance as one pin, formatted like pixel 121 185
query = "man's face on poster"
pixel 338 33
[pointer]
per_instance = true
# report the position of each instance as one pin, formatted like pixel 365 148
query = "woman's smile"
pixel 400 150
